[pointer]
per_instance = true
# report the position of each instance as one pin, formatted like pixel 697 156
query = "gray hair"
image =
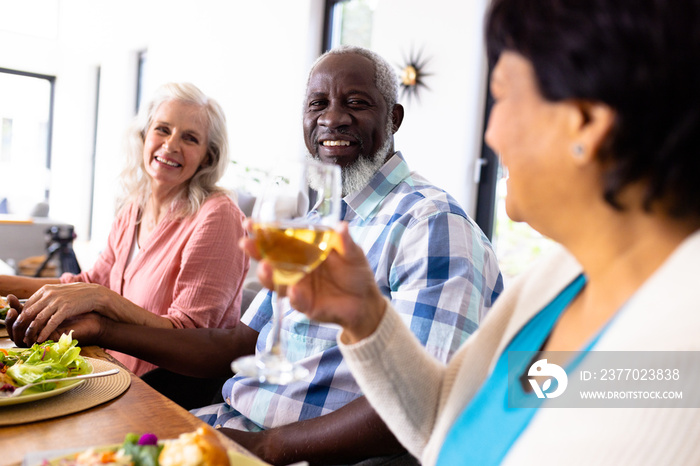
pixel 385 77
pixel 137 186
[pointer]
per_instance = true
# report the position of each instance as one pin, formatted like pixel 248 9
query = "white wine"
pixel 293 251
pixel 288 228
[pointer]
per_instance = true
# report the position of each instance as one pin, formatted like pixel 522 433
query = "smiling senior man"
pixel 429 258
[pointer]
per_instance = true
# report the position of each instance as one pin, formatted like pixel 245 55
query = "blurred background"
pixel 73 73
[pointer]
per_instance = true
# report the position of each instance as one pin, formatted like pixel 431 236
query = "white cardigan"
pixel 420 398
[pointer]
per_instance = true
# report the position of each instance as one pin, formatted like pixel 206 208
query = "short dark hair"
pixel 641 58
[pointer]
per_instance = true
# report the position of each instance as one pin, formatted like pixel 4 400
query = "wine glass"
pixel 293 221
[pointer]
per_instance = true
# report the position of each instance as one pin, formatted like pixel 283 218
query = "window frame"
pixel 327 42
pixel 52 94
pixel 488 177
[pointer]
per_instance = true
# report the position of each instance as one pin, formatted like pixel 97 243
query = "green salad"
pixel 43 361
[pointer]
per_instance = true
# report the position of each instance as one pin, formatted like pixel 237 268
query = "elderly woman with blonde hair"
pixel 172 258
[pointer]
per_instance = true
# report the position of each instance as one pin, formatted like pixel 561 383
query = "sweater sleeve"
pixel 420 398
pixel 406 401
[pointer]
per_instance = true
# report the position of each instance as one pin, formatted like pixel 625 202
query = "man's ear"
pixel 397 117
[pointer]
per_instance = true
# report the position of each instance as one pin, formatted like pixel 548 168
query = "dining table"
pixel 138 409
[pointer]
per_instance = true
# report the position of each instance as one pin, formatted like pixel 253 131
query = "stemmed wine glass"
pixel 293 222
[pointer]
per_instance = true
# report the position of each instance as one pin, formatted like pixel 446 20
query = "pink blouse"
pixel 190 271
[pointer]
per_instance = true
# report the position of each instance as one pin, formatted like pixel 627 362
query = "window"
pixel 6 147
pixel 348 22
pixel 26 107
pixel 517 245
pixel 141 78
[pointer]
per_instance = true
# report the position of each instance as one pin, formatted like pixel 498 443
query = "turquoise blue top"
pixel 488 426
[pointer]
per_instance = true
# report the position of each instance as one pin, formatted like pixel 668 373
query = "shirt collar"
pixel 365 201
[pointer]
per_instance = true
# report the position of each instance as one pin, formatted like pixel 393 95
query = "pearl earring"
pixel 577 150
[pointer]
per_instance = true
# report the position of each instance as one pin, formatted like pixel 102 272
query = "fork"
pixel 18 391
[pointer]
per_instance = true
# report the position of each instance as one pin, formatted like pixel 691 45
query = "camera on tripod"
pixel 61 235
pixel 60 240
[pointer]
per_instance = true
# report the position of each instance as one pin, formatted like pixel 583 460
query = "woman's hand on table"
pixel 52 305
pixel 87 328
pixel 341 290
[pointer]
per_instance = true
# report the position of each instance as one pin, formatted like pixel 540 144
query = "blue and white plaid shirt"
pixel 429 258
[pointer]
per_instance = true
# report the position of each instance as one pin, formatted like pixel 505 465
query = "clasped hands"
pixel 52 311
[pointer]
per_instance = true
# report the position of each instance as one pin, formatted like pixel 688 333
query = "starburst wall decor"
pixel 412 76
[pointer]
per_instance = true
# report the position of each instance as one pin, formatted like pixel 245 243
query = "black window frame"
pixel 488 177
pixel 327 41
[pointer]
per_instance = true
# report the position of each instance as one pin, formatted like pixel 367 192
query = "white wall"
pixel 253 57
pixel 441 132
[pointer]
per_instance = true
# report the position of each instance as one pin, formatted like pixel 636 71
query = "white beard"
pixel 357 175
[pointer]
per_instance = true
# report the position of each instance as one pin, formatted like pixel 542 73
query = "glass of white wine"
pixel 293 220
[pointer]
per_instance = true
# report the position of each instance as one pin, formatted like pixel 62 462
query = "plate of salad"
pixel 43 361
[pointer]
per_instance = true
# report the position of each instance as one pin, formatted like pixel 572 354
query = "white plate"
pixel 61 388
